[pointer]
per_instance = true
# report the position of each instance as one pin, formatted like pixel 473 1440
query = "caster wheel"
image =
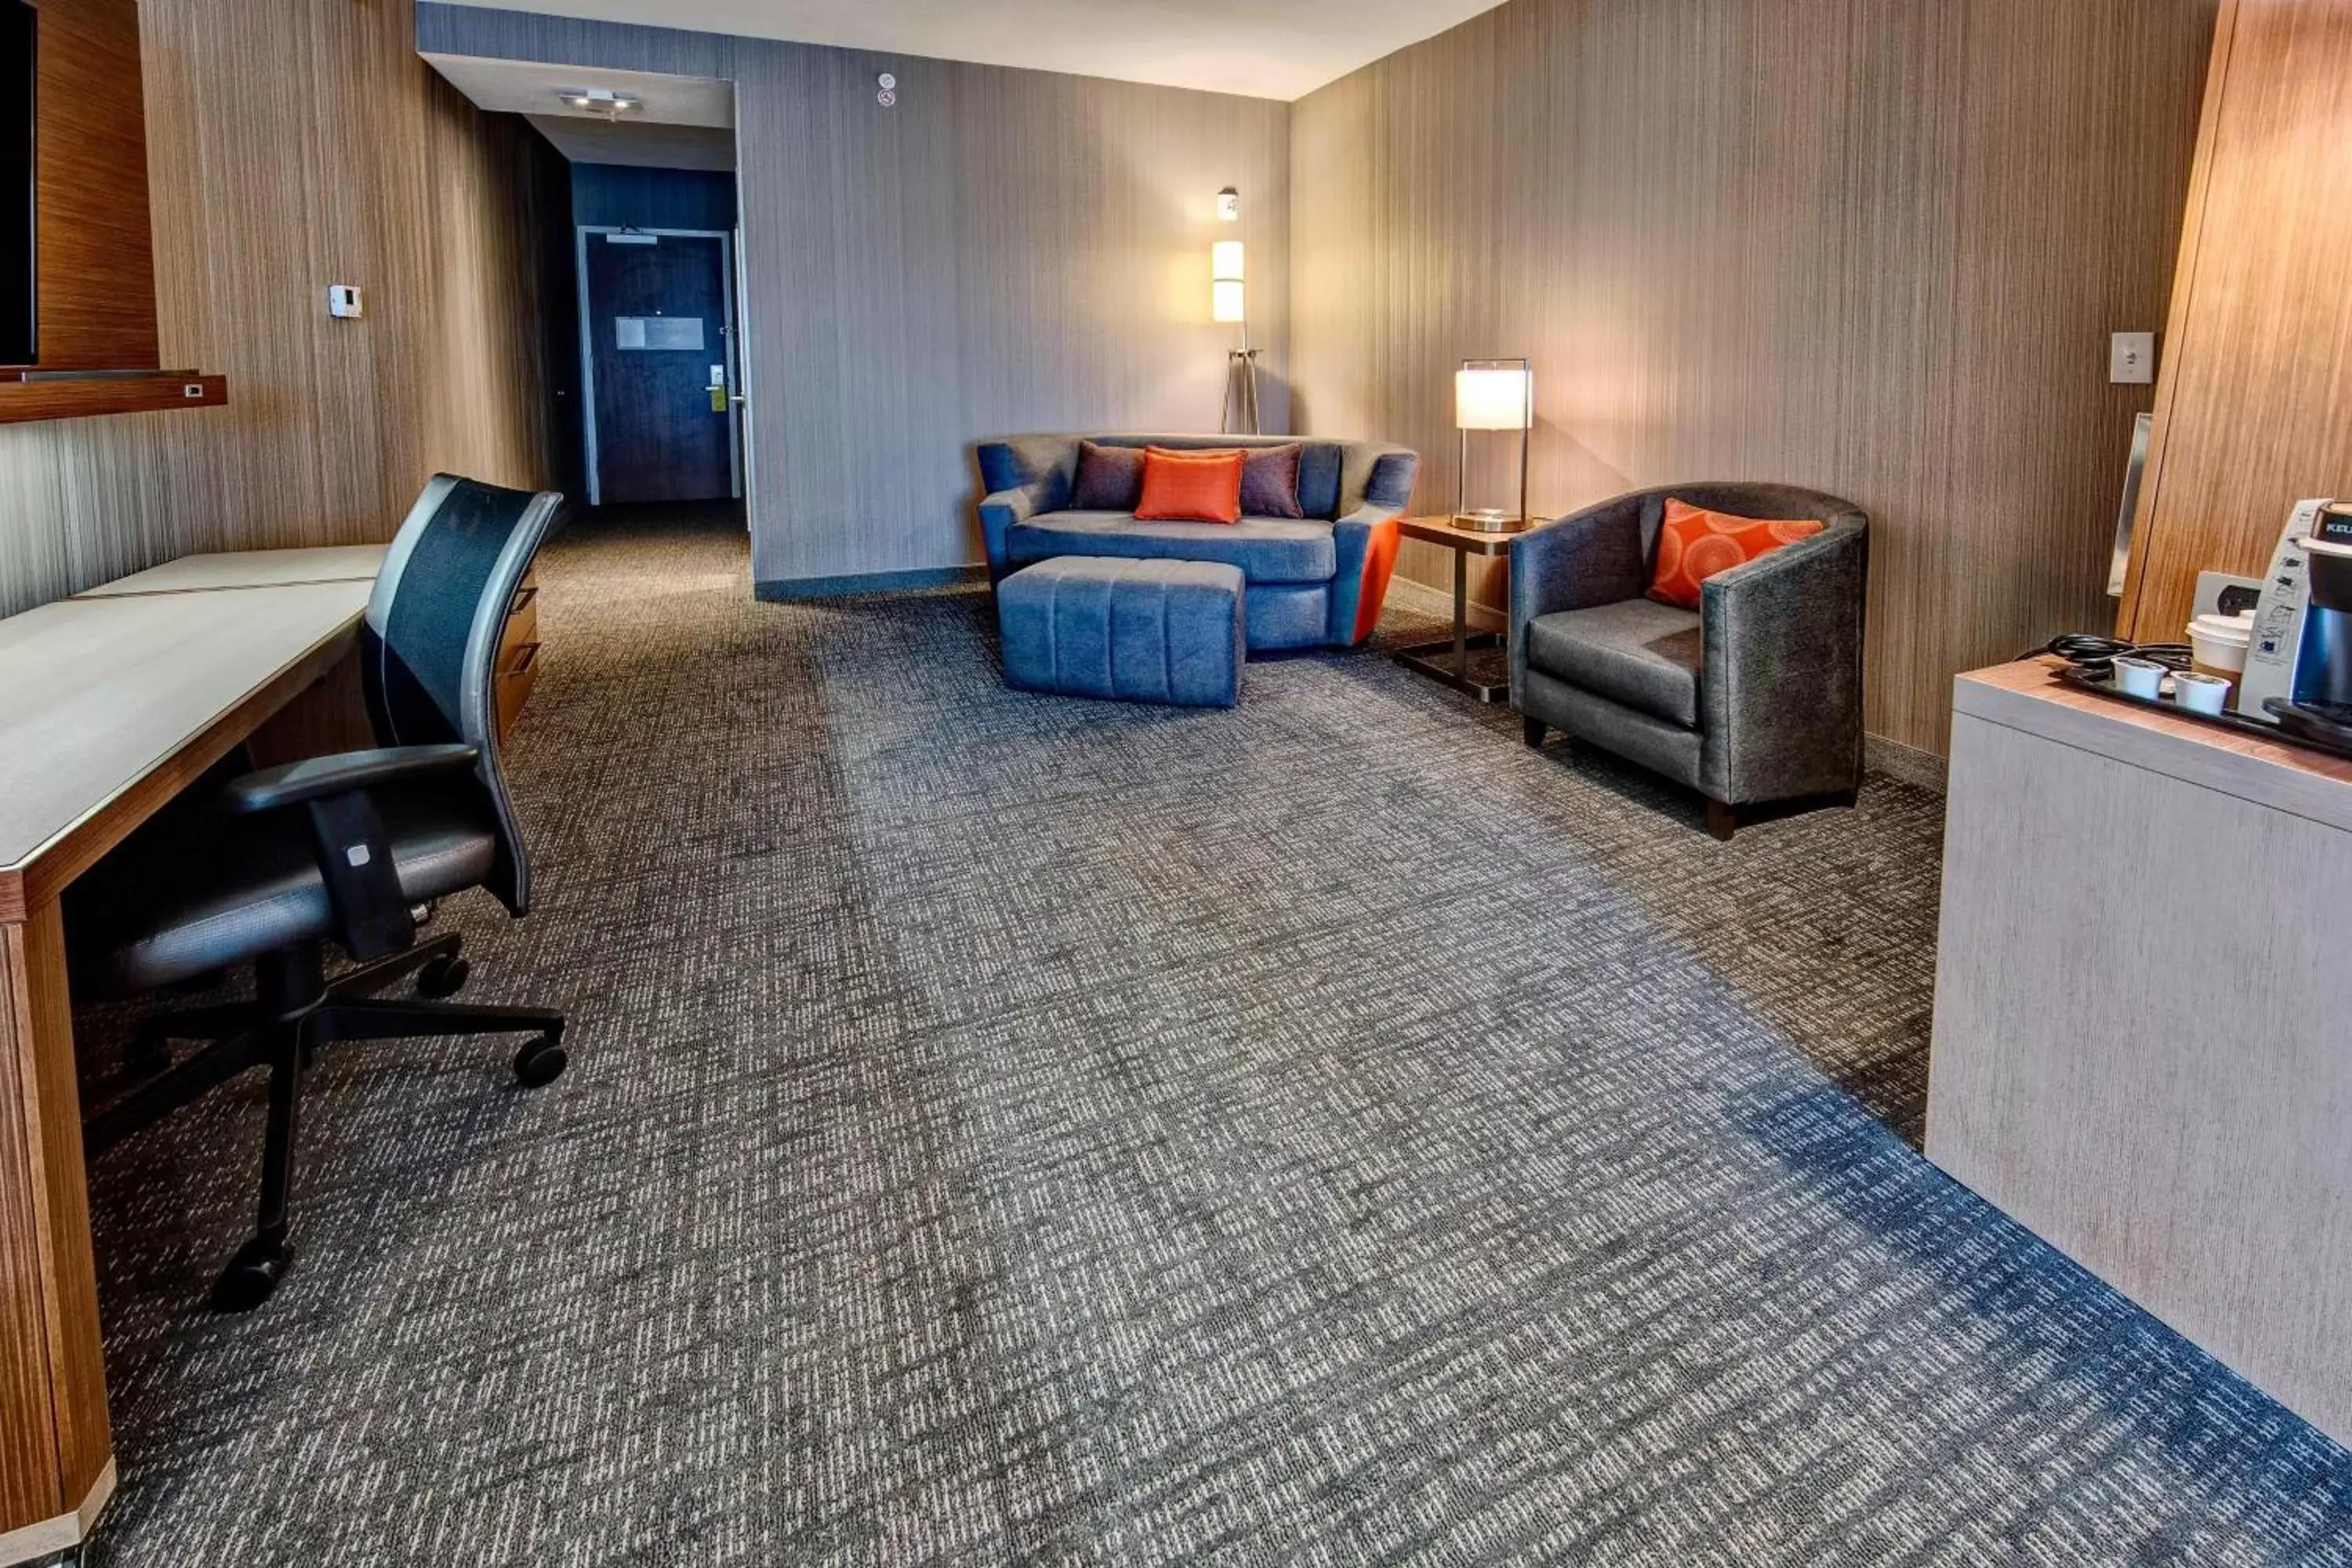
pixel 442 977
pixel 252 1275
pixel 541 1062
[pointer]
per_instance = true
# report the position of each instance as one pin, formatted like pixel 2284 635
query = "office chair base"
pixel 296 1014
pixel 252 1275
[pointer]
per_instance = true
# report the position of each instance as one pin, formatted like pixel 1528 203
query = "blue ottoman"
pixel 1141 631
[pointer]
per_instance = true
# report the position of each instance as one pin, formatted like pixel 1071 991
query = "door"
pixel 656 311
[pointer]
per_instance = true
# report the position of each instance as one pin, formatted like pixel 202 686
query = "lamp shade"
pixel 1493 397
pixel 1225 297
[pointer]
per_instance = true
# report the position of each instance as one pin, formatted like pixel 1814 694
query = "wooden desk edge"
pixel 66 854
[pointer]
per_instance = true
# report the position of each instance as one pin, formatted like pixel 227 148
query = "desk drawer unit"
pixel 518 665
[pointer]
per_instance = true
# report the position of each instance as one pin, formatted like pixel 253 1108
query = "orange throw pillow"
pixel 1695 545
pixel 1191 487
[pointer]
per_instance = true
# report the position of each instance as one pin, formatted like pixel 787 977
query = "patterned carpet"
pixel 1008 1129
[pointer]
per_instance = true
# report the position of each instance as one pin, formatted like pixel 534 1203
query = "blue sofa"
pixel 1309 583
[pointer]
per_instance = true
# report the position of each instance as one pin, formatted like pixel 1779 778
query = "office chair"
pixel 269 867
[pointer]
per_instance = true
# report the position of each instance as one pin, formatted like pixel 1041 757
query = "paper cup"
pixel 2217 645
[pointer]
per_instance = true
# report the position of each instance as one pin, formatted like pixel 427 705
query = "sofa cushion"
pixel 1267 550
pixel 1191 487
pixel 1270 481
pixel 1111 478
pixel 1638 652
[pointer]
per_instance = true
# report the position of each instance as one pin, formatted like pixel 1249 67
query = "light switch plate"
pixel 2131 359
pixel 343 301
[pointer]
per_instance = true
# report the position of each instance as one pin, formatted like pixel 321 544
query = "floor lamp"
pixel 1229 306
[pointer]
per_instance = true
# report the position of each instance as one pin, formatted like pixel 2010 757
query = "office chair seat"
pixel 209 899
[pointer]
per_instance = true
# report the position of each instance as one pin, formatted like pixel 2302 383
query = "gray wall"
pixel 1874 247
pixel 1004 251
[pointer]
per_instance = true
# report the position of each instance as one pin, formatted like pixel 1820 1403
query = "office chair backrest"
pixel 429 647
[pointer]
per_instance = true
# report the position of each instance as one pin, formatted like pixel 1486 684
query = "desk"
pixel 250 569
pixel 2141 1048
pixel 108 705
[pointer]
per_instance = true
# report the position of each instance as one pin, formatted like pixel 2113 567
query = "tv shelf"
pixel 23 401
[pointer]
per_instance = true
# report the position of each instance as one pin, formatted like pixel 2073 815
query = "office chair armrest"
pixel 318 778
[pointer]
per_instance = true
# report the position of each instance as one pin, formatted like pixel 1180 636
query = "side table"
pixel 1425 658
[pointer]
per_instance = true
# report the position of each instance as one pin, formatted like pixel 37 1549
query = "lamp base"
pixel 1490 520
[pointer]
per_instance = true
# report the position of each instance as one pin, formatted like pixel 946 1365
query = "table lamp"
pixel 1493 394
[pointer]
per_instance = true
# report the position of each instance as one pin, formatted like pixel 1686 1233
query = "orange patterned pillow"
pixel 1191 487
pixel 1695 545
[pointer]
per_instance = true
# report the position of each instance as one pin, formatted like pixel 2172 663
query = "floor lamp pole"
pixel 1241 389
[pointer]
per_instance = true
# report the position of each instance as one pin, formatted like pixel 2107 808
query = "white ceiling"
pixel 523 86
pixel 638 147
pixel 1264 48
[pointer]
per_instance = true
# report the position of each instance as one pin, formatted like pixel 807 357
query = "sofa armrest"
pixel 1001 510
pixel 1366 542
pixel 1781 694
pixel 1585 560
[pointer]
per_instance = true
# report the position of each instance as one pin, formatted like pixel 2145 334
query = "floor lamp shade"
pixel 1226 299
pixel 1493 394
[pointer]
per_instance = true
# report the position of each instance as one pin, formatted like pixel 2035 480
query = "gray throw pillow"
pixel 1111 478
pixel 1270 481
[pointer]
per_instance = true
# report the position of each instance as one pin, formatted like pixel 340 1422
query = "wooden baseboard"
pixel 63 1534
pixel 1907 763
pixel 1404 593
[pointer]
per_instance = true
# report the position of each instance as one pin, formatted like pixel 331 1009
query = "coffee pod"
pixel 2199 692
pixel 2139 678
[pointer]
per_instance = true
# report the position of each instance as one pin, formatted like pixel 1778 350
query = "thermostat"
pixel 343 300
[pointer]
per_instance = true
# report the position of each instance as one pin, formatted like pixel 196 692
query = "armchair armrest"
pixel 318 778
pixel 348 834
pixel 1591 558
pixel 1780 695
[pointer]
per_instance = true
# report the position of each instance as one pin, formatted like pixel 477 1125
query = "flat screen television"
pixel 19 314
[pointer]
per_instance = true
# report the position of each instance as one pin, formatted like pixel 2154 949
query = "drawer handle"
pixel 523 597
pixel 525 657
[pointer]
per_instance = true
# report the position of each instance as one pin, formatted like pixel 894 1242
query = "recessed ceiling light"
pixel 600 101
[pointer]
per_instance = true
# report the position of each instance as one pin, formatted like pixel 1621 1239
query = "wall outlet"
pixel 343 301
pixel 2131 359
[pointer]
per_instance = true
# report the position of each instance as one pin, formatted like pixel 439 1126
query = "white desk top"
pixel 250 569
pixel 96 694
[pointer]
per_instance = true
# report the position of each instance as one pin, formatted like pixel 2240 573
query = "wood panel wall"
pixel 1869 246
pixel 2254 412
pixel 1004 251
pixel 294 145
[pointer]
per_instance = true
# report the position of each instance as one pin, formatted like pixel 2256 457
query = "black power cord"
pixel 2095 655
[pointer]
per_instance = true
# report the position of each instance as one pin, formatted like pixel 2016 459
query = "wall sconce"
pixel 1493 394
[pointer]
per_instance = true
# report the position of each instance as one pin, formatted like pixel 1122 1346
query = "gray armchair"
pixel 1755 699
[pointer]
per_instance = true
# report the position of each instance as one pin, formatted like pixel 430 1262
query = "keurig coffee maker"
pixel 2319 706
